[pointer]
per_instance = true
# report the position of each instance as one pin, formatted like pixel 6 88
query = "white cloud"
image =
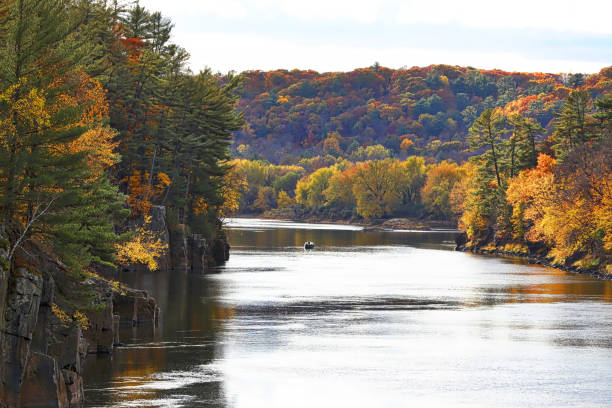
pixel 362 11
pixel 224 52
pixel 226 49
pixel 588 16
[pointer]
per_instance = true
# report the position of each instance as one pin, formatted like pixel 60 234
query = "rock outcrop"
pixel 195 253
pixel 43 343
pixel 42 348
pixel 136 307
pixel 20 316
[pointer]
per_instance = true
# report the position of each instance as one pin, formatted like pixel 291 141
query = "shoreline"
pixel 390 224
pixel 395 224
pixel 536 260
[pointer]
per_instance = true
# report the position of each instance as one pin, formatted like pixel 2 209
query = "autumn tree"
pixel 55 148
pixel 310 190
pixel 283 200
pixel 339 193
pixel 441 180
pixel 376 187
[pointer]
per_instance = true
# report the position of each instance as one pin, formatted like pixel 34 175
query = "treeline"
pixel 347 190
pixel 291 115
pixel 521 191
pixel 99 120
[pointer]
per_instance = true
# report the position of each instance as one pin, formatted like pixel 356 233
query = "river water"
pixel 366 319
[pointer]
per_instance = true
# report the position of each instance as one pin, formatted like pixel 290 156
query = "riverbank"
pixel 377 224
pixel 537 254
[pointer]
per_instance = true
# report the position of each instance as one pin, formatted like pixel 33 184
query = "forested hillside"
pixel 424 111
pixel 520 162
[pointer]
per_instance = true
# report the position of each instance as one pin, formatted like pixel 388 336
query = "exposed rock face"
pixel 196 253
pixel 179 250
pixel 20 316
pixel 220 251
pixel 99 335
pixel 135 307
pixel 460 241
pixel 41 354
pixel 44 384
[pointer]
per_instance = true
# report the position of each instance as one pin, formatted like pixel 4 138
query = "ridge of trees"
pixel 428 111
pixel 523 187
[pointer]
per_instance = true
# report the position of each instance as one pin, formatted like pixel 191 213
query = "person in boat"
pixel 309 245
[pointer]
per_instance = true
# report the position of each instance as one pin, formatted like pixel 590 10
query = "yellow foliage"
pixel 283 200
pixel 340 190
pixel 60 314
pixel 235 183
pixel 569 223
pixel 139 192
pixel 535 190
pixel 81 320
pixel 376 187
pixel 99 145
pixel 309 189
pixel 200 206
pixel 144 248
pixel 164 180
pixel 459 191
pixel 406 144
pixel 77 317
pixel 441 179
pixel 29 112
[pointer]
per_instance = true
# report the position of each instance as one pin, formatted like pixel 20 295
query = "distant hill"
pixel 425 111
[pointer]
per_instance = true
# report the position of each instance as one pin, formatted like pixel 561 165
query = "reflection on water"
pixel 366 319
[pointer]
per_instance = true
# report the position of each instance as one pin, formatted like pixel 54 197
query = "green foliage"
pixel 68 70
pixel 52 189
pixel 572 127
pixel 369 107
pixel 486 133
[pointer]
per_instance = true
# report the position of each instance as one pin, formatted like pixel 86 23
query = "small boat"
pixel 308 245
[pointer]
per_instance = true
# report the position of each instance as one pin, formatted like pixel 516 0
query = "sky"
pixel 341 35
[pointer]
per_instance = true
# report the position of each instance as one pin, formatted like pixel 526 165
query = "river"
pixel 366 319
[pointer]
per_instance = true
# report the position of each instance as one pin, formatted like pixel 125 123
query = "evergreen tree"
pixel 486 133
pixel 604 115
pixel 45 181
pixel 520 148
pixel 571 125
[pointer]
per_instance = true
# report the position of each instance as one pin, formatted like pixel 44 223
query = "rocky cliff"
pixel 51 319
pixel 41 346
pixel 187 251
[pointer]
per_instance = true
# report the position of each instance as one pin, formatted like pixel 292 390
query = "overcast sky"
pixel 340 35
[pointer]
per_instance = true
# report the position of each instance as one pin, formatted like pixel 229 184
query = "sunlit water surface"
pixel 367 319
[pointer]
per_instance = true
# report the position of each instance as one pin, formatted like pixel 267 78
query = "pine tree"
pixel 520 149
pixel 572 127
pixel 604 115
pixel 44 181
pixel 486 132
